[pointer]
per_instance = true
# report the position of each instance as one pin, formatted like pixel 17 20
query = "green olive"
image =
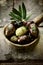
pixel 14 38
pixel 33 30
pixel 20 31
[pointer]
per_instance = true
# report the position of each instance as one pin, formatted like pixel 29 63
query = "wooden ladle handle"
pixel 38 19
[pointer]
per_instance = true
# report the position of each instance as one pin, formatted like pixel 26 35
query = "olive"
pixel 20 24
pixel 9 30
pixel 33 29
pixel 14 38
pixel 17 24
pixel 24 23
pixel 28 23
pixel 21 30
pixel 23 39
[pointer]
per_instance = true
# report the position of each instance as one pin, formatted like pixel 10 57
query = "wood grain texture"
pixel 7 52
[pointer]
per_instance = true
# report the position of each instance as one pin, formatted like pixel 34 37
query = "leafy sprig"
pixel 20 14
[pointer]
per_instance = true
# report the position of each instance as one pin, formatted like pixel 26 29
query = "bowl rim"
pixel 19 45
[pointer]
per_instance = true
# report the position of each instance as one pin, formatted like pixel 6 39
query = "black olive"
pixel 17 24
pixel 20 24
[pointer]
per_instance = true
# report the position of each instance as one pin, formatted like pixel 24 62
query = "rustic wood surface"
pixel 9 52
pixel 6 51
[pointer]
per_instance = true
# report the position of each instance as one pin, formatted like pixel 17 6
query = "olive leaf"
pixel 20 10
pixel 19 15
pixel 28 17
pixel 16 12
pixel 23 11
pixel 14 16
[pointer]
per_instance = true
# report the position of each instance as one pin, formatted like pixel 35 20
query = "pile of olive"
pixel 21 32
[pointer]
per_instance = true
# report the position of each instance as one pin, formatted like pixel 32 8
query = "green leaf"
pixel 28 17
pixel 16 12
pixel 14 16
pixel 23 11
pixel 14 19
pixel 20 10
pixel 19 15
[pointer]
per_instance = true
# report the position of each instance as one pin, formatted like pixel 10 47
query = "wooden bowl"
pixel 19 46
pixel 31 45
